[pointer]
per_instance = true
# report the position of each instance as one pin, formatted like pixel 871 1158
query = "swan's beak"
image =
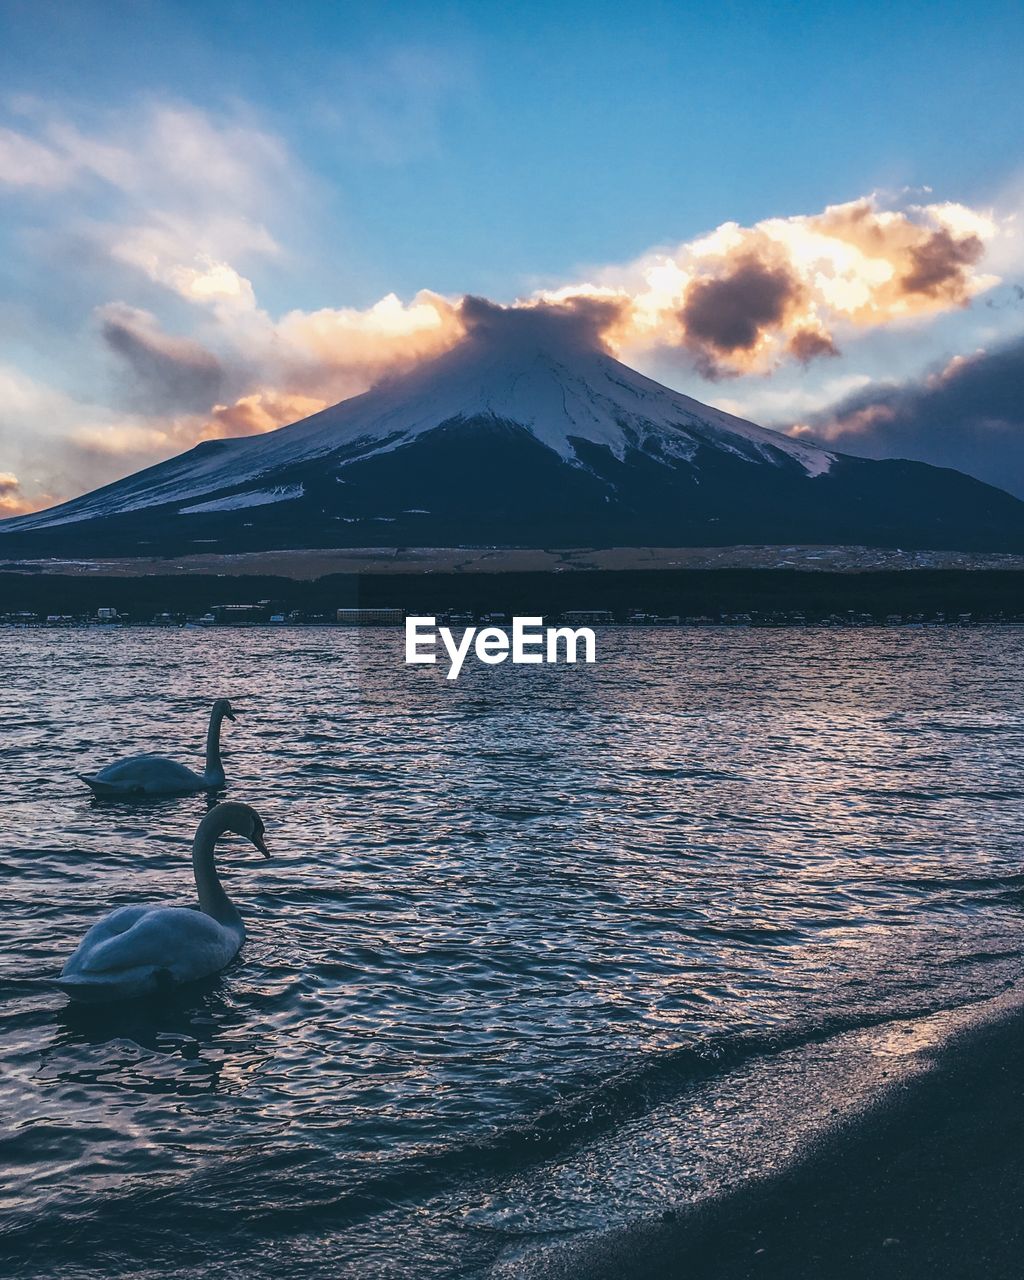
pixel 261 844
pixel 231 715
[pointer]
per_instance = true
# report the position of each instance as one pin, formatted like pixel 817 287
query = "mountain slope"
pixel 519 442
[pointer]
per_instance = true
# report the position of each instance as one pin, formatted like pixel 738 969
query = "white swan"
pixel 137 951
pixel 150 775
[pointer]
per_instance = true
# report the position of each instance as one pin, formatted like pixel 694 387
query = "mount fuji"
pixel 526 434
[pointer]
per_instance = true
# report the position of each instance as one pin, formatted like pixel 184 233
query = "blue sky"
pixel 332 154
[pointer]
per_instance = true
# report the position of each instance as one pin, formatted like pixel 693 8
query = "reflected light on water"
pixel 506 918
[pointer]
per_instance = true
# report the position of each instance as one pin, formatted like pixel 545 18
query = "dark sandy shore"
pixel 929 1183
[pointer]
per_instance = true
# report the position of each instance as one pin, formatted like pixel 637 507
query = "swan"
pixel 138 951
pixel 150 775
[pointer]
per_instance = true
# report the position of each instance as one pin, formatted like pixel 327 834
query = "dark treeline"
pixel 709 592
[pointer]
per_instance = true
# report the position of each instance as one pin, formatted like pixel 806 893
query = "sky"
pixel 217 218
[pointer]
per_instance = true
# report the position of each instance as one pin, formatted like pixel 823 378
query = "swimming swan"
pixel 150 775
pixel 137 951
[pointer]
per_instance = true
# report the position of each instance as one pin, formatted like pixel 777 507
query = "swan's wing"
pixel 181 943
pixel 143 775
pixel 103 930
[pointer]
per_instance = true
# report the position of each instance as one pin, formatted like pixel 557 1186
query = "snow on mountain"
pixel 559 396
pixel 253 498
pixel 556 396
pixel 524 435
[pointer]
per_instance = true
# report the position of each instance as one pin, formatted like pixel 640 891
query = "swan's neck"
pixel 214 768
pixel 212 898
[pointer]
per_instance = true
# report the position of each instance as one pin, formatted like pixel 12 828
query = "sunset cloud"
pixel 15 502
pixel 747 299
pixel 341 351
pixel 737 301
pixel 255 414
pixel 167 372
pixel 181 240
pixel 12 500
pixel 968 414
pixel 573 322
pixel 725 316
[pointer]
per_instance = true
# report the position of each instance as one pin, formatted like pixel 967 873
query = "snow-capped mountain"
pixel 514 440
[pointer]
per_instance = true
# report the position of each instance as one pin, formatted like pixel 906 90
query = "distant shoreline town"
pixel 591 597
pixel 259 615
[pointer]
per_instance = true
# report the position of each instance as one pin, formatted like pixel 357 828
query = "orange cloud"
pixel 745 299
pixel 337 352
pixel 966 414
pixel 15 503
pixel 256 414
pixel 740 300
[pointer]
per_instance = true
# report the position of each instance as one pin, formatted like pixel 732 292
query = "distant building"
pixel 107 615
pixel 591 617
pixel 371 617
pixel 239 612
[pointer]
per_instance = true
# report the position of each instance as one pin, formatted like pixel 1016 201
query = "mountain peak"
pixel 541 376
pixel 527 433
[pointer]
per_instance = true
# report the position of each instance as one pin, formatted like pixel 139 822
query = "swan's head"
pixel 222 707
pixel 243 821
pixel 257 834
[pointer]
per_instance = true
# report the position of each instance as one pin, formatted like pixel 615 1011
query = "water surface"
pixel 517 932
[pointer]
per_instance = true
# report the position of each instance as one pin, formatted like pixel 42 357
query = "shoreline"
pixel 699 596
pixel 307 564
pixel 927 1181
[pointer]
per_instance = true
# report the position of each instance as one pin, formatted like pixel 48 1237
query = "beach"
pixel 929 1182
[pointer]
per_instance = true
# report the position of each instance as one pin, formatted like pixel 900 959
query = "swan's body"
pixel 150 775
pixel 138 951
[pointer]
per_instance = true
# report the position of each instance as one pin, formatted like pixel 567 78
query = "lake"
pixel 538 950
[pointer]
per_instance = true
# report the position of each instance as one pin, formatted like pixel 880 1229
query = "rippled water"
pixel 508 921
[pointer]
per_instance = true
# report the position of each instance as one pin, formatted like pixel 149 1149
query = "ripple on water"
pixel 506 918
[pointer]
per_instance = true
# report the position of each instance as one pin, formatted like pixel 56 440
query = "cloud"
pixel 170 210
pixel 256 414
pixel 571 323
pixel 940 264
pixel 44 434
pixel 168 373
pixel 730 311
pixel 740 300
pixel 727 315
pixel 15 502
pixel 968 415
pixel 807 344
pixel 161 148
pixel 186 259
pixel 744 300
pixel 24 162
pixel 277 372
pixel 339 351
pixel 12 500
pixel 179 195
